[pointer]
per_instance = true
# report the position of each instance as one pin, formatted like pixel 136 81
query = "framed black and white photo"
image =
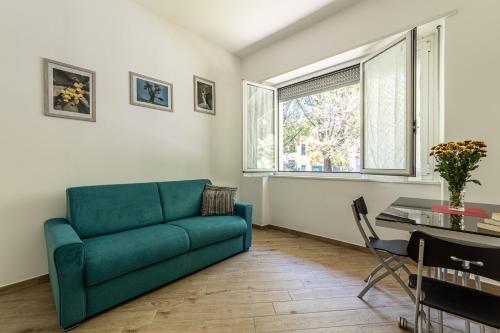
pixel 151 93
pixel 69 91
pixel 204 95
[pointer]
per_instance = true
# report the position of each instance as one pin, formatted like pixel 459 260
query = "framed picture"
pixel 69 91
pixel 151 93
pixel 204 95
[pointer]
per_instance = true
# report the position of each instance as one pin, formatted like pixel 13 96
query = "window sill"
pixel 355 177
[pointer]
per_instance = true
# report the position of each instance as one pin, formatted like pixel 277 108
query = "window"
pixel 379 115
pixel 303 149
pixel 259 127
pixel 427 101
pixel 388 109
pixel 322 114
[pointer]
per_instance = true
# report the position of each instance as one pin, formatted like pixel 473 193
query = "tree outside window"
pixel 322 131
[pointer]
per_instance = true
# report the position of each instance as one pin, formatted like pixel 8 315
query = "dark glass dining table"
pixel 412 214
pixel 416 214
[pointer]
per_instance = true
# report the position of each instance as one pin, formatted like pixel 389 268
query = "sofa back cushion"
pixel 106 209
pixel 181 199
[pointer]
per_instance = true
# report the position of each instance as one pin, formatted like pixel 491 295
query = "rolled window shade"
pixel 320 84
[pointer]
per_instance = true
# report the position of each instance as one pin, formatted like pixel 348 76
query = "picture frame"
pixel 204 95
pixel 70 91
pixel 151 93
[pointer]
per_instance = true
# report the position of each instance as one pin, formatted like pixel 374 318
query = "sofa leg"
pixel 246 250
pixel 71 327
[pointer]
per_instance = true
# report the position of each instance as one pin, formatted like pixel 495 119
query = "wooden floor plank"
pixel 337 329
pixel 245 296
pixel 221 286
pixel 329 319
pixel 240 325
pixel 193 312
pixel 340 303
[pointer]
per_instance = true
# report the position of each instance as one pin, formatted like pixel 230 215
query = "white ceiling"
pixel 243 26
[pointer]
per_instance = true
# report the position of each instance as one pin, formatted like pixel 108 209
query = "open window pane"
pixel 259 124
pixel 388 110
pixel 385 109
pixel 427 99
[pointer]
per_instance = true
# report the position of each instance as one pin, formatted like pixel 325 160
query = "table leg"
pixel 406 325
pixel 478 287
pixel 440 275
pixel 428 319
pixel 465 282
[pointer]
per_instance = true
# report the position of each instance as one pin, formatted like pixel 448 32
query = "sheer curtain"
pixel 385 113
pixel 260 128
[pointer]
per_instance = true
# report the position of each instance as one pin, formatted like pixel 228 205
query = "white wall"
pixel 471 70
pixel 322 207
pixel 42 156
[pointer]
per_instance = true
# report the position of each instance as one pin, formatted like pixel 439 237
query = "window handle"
pixel 466 263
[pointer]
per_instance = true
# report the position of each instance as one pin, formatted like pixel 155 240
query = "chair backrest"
pixel 360 212
pixel 463 256
pixel 360 205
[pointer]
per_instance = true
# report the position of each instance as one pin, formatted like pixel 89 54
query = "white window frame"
pixel 245 123
pixel 429 118
pixel 410 169
pixel 433 127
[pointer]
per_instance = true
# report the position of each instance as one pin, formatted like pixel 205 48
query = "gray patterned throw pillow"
pixel 218 200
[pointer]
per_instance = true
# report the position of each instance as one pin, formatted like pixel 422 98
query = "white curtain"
pixel 260 134
pixel 385 115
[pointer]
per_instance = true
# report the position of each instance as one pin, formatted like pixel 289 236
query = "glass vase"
pixel 457 222
pixel 457 199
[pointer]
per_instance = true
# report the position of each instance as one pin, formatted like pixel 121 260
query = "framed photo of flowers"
pixel 151 93
pixel 69 91
pixel 204 95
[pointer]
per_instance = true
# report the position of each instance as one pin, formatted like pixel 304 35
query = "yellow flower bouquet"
pixel 455 162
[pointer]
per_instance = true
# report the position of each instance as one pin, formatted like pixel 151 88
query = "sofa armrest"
pixel 65 253
pixel 244 209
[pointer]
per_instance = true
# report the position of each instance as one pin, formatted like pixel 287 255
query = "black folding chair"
pixel 396 248
pixel 460 300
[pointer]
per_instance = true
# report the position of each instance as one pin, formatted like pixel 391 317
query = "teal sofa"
pixel 120 241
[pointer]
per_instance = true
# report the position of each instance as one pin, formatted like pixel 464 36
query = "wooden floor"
pixel 285 283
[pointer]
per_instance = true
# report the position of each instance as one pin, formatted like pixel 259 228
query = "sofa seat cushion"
pixel 206 230
pixel 110 256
